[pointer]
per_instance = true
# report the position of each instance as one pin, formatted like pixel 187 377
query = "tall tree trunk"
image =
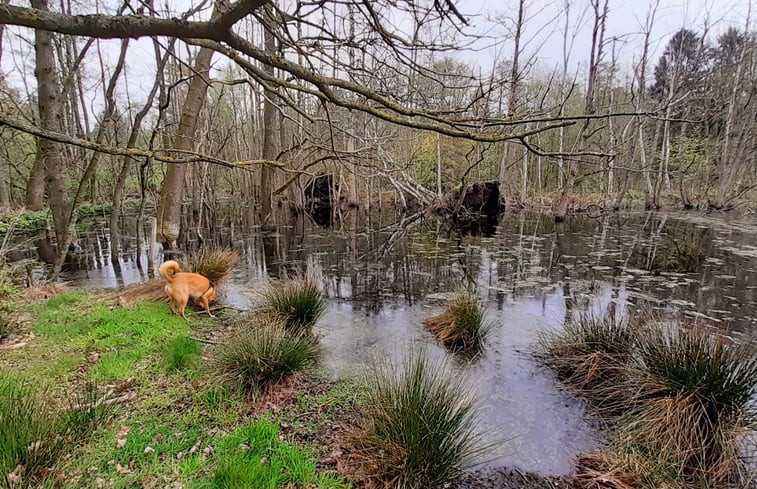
pixel 5 200
pixel 512 102
pixel 269 129
pixel 595 59
pixel 89 172
pixel 728 167
pixel 685 200
pixel 49 154
pixel 172 191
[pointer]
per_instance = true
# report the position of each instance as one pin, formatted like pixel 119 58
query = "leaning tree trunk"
pixel 49 154
pixel 171 194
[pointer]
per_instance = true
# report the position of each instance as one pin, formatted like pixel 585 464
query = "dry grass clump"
pixel 680 401
pixel 621 469
pixel 263 353
pixel 695 399
pixel 297 302
pixel 591 354
pixel 462 326
pixel 130 296
pixel 213 262
pixel 420 425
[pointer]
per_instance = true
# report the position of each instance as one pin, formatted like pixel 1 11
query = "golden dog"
pixel 183 286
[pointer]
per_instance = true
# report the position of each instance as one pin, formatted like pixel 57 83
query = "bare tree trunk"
pixel 728 167
pixel 269 130
pixel 512 102
pixel 49 154
pixel 5 179
pixel 172 191
pixel 5 201
pixel 438 165
pixel 89 173
pixel 597 46
pixel 685 200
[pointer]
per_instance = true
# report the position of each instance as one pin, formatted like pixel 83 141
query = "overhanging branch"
pixel 127 26
pixel 163 155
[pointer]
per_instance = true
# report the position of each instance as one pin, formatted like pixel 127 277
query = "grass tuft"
pixel 591 354
pixel 462 326
pixel 213 262
pixel 421 425
pixel 182 352
pixel 695 394
pixel 298 302
pixel 264 354
pixel 34 435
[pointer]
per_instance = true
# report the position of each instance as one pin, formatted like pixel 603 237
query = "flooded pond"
pixel 382 281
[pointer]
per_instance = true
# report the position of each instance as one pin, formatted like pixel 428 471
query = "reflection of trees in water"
pixel 382 266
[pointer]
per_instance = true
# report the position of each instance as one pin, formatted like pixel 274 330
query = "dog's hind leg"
pixel 206 305
pixel 181 310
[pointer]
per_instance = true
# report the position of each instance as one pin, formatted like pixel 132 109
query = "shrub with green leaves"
pixel 298 302
pixel 264 354
pixel 421 424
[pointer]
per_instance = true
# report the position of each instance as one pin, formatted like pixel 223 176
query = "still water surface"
pixel 382 281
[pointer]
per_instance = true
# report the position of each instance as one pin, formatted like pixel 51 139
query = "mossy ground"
pixel 174 425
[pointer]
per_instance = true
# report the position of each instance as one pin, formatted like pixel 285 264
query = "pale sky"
pixel 542 38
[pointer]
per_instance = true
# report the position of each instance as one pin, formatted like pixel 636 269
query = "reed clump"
pixel 462 326
pixel 679 400
pixel 420 426
pixel 35 434
pixel 695 393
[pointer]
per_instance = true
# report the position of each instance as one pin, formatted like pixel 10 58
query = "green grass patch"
pixel 144 449
pixel 254 456
pixel 182 353
pixel 123 336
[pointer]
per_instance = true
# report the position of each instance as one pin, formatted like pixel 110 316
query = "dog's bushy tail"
pixel 169 266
